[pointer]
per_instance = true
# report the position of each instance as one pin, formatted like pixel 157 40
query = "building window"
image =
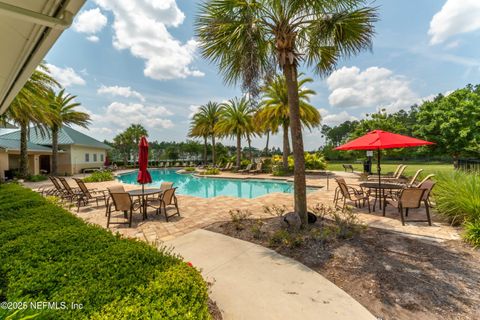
pixel 87 157
pixel 94 157
pixel 101 157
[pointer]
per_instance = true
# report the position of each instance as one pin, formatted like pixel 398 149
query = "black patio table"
pixel 380 190
pixel 143 197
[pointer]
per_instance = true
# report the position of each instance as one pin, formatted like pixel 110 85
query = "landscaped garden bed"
pixel 47 255
pixel 392 275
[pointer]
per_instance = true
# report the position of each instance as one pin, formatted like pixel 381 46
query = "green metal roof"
pixel 66 136
pixel 10 144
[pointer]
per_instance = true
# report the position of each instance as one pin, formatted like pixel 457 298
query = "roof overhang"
pixel 28 29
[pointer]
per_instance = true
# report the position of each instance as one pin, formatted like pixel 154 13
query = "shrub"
pixel 189 169
pixel 313 161
pixel 472 233
pixel 48 254
pixel 211 171
pixel 238 217
pixel 279 171
pixel 287 239
pixel 457 196
pixel 36 178
pixel 99 176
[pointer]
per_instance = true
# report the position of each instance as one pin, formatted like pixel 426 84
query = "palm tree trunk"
pixel 239 150
pixel 300 194
pixel 268 140
pixel 23 151
pixel 205 150
pixel 286 147
pixel 213 150
pixel 55 150
pixel 250 154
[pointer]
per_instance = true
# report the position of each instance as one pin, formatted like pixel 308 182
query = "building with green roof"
pixel 77 151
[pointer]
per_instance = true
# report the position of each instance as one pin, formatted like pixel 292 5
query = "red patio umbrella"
pixel 143 174
pixel 378 139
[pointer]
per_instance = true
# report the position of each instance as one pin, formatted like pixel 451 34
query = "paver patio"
pixel 197 212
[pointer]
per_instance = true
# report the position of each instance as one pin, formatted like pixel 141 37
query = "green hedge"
pixel 47 254
pixel 99 176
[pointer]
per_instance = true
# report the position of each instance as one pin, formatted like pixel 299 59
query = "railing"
pixel 471 165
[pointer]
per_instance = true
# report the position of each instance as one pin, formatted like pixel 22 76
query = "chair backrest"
pixel 229 165
pixel 400 172
pixel 259 166
pixel 397 169
pixel 121 200
pixel 83 187
pixel 342 185
pixel 412 182
pixel 428 186
pixel 430 176
pixel 411 197
pixel 116 188
pixel 65 184
pixel 168 195
pixel 165 186
pixel 249 167
pixel 56 184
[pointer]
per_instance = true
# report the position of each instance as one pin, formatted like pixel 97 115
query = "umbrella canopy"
pixel 378 139
pixel 143 174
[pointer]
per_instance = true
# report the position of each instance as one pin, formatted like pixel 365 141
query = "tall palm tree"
pixel 199 129
pixel 236 120
pixel 29 107
pixel 62 112
pixel 274 111
pixel 208 116
pixel 245 37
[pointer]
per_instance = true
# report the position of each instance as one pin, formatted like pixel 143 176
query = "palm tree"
pixel 236 120
pixel 62 112
pixel 246 37
pixel 207 116
pixel 198 129
pixel 274 110
pixel 29 107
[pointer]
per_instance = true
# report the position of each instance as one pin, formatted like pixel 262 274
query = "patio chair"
pixel 87 195
pixel 247 169
pixel 168 198
pixel 69 192
pixel 349 193
pixel 409 198
pixel 258 169
pixel 428 186
pixel 122 202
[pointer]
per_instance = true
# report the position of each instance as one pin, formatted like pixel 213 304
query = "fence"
pixel 471 165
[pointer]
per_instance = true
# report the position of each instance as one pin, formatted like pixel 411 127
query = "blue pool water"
pixel 211 187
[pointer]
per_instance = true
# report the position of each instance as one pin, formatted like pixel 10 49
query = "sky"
pixel 137 61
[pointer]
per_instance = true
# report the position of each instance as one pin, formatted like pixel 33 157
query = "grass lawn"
pixel 389 166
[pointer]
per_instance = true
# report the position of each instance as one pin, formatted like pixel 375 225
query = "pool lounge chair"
pixel 258 168
pixel 227 167
pixel 87 195
pixel 70 193
pixel 247 169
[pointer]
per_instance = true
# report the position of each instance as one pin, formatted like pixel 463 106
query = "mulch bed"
pixel 393 276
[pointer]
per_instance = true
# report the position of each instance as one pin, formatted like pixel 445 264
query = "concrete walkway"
pixel 253 282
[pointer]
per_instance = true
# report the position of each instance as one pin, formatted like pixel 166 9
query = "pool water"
pixel 188 184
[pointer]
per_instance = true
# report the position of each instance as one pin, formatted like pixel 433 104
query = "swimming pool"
pixel 189 184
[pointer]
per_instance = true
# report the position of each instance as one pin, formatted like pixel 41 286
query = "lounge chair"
pixel 48 190
pixel 247 169
pixel 167 164
pixel 122 202
pixel 258 169
pixel 414 178
pixel 227 167
pixel 395 175
pixel 59 190
pixel 69 193
pixel 161 165
pixel 87 195
pixel 167 198
pixel 428 177
pixel 409 198
pixel 348 193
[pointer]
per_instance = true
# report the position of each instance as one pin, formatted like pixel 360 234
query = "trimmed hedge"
pixel 99 176
pixel 48 254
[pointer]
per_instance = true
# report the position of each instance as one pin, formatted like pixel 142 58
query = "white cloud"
pixel 90 22
pixel 455 17
pixel 126 92
pixel 93 38
pixel 335 119
pixel 66 76
pixel 141 27
pixel 193 109
pixel 374 87
pixel 121 115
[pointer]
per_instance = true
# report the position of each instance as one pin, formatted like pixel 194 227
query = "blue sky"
pixel 137 62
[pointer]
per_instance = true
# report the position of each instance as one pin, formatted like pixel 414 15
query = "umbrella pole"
pixel 144 207
pixel 379 179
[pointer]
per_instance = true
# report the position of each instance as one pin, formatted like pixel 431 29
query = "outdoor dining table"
pixel 143 197
pixel 380 190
